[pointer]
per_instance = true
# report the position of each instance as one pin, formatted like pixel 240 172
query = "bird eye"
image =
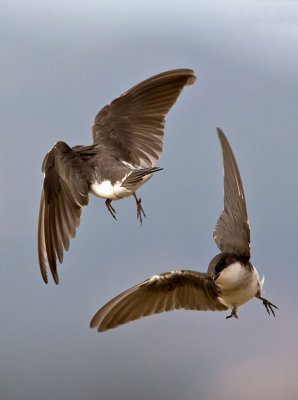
pixel 220 265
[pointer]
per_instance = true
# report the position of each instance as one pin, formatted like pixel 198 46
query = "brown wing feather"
pixel 232 233
pixel 64 193
pixel 133 124
pixel 173 290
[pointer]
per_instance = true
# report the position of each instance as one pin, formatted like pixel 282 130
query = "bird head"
pixel 220 262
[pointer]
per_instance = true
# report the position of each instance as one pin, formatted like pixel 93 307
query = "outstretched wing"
pixel 133 124
pixel 231 233
pixel 64 193
pixel 173 290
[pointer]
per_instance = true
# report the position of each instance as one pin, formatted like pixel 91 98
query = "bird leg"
pixel 140 210
pixel 233 313
pixel 269 306
pixel 111 208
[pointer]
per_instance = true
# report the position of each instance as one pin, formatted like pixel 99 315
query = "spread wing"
pixel 133 124
pixel 231 233
pixel 173 290
pixel 64 193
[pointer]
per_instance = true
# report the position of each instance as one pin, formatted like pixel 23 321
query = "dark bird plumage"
pixel 128 139
pixel 231 280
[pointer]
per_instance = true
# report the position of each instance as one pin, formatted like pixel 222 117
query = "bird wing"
pixel 133 124
pixel 64 193
pixel 173 290
pixel 232 233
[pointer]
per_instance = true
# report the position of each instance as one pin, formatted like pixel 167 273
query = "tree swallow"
pixel 128 136
pixel 231 280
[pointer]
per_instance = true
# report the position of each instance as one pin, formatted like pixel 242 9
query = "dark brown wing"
pixel 231 233
pixel 133 124
pixel 65 191
pixel 173 290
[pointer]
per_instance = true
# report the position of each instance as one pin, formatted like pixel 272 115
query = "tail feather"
pixel 138 175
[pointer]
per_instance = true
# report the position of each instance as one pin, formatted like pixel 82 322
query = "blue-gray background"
pixel 61 61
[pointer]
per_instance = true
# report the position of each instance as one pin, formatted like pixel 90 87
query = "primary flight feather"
pixel 231 279
pixel 128 139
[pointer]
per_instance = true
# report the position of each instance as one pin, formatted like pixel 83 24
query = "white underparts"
pixel 238 284
pixel 232 275
pixel 108 191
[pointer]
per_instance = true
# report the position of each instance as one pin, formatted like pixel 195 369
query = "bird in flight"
pixel 128 136
pixel 231 279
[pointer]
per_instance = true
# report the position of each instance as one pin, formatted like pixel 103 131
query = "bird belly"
pixel 106 190
pixel 238 284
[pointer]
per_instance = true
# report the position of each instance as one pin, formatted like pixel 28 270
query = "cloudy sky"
pixel 61 61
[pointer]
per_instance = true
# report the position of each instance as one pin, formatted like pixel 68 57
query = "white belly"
pixel 116 192
pixel 238 284
pixel 108 191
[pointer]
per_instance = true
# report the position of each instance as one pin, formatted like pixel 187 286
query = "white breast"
pixel 232 275
pixel 108 191
pixel 238 284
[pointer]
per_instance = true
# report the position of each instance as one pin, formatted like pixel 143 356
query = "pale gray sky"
pixel 61 61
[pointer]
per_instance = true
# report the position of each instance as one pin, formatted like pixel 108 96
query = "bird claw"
pixel 140 210
pixel 269 306
pixel 111 209
pixel 233 313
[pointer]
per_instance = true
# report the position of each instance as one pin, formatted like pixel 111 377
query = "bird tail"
pixel 136 177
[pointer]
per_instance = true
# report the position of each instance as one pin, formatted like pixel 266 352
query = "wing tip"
pixel 94 323
pixel 220 133
pixel 188 73
pixel 225 145
pixel 102 329
pixel 43 270
pixel 191 80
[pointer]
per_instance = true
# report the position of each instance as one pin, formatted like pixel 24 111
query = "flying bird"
pixel 231 279
pixel 128 136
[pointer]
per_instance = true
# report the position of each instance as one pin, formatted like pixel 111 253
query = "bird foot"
pixel 269 306
pixel 111 209
pixel 140 210
pixel 233 313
